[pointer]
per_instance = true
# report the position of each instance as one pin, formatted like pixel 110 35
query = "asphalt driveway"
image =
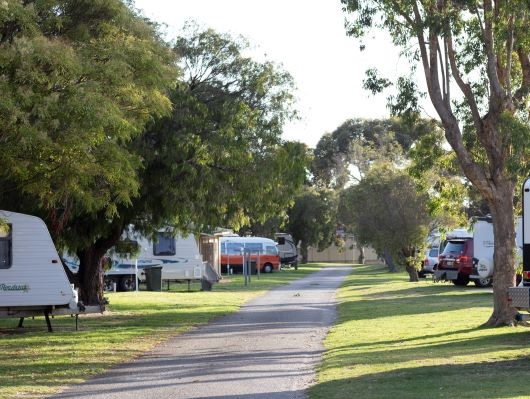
pixel 269 349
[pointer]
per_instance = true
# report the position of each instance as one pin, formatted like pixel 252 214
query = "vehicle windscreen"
pixel 454 248
pixel 271 250
pixel 433 252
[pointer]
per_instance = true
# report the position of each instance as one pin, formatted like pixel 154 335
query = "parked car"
pixel 456 263
pixel 430 262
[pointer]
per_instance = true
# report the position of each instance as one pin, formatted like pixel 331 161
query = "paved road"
pixel 269 349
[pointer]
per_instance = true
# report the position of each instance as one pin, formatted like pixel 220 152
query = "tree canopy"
pixel 216 160
pixel 313 219
pixel 386 211
pixel 78 79
pixel 358 143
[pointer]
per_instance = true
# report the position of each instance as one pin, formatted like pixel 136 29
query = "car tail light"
pixel 462 259
pixel 526 275
pixel 426 262
pixel 440 257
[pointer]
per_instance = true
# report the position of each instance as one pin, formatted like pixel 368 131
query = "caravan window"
pixel 234 248
pixel 254 247
pixel 164 245
pixel 6 247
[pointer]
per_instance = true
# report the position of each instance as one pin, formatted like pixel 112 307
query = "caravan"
pixel 32 279
pixel 287 249
pixel 179 257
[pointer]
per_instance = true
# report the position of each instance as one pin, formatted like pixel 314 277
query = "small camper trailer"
pixel 287 249
pixel 32 279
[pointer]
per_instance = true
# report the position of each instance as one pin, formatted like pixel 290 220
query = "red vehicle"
pixel 455 263
pixel 263 254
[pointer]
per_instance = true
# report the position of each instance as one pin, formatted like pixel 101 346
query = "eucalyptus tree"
pixel 345 155
pixel 475 58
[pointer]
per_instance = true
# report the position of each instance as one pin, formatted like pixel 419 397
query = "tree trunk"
pixel 503 256
pixel 303 249
pixel 410 252
pixel 413 273
pixel 362 257
pixel 389 261
pixel 90 276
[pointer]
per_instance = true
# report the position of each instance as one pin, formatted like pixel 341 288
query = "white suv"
pixel 430 262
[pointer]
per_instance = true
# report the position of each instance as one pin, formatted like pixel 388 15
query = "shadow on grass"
pixel 402 306
pixel 493 379
pixel 417 349
pixel 414 362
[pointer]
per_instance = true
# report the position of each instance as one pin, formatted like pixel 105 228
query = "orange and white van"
pixel 263 253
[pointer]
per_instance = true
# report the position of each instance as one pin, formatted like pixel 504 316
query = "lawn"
pixel 396 339
pixel 34 362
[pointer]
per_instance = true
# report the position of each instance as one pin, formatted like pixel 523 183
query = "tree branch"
pixel 497 91
pixel 464 87
pixel 450 123
pixel 509 51
pixel 524 89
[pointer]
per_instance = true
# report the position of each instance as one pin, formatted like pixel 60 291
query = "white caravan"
pixel 484 245
pixel 179 257
pixel 520 295
pixel 32 279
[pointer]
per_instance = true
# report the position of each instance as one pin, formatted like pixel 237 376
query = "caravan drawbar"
pixel 33 281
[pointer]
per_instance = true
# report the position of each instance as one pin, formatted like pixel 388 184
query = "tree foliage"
pixel 481 49
pixel 78 80
pixel 313 219
pixel 348 152
pixel 388 212
pixel 217 159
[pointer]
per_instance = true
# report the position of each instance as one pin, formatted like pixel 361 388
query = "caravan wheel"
pixel 483 282
pixel 127 283
pixel 108 284
pixel 267 268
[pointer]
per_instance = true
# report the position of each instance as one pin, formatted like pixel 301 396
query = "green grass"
pixel 396 339
pixel 34 363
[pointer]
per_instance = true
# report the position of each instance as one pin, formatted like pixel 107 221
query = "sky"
pixel 308 38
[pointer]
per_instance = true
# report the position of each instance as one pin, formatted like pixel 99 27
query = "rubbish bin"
pixel 153 278
pixel 206 285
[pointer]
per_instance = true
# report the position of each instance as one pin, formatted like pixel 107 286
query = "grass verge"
pixel 34 363
pixel 396 339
